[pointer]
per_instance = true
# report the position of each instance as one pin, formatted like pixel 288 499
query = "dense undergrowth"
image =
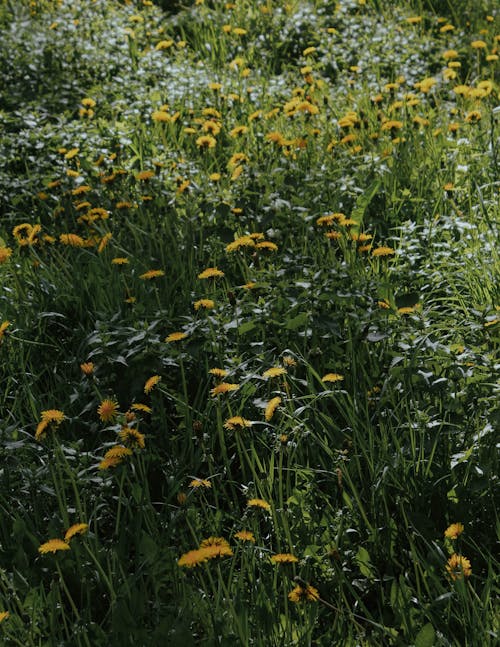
pixel 249 323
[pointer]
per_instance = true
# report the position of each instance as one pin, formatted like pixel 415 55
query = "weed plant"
pixel 249 323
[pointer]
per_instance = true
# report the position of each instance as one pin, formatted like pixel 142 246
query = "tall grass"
pixel 249 324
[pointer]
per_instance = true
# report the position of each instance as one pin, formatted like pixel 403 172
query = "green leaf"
pixel 246 327
pixel 297 322
pixel 364 562
pixel 426 636
pixel 362 203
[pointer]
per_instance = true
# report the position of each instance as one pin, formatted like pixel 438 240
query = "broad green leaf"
pixel 426 636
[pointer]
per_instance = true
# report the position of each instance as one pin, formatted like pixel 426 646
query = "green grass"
pixel 314 108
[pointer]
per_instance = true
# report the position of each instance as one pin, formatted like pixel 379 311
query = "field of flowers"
pixel 249 317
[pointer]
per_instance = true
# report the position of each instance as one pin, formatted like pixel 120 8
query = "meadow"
pixel 249 308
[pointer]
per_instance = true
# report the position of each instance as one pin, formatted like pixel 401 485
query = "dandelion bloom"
pixel 193 558
pixel 5 253
pixel 242 241
pixel 206 141
pixel 218 372
pixel 211 273
pixel 88 102
pixel 237 421
pixel 119 451
pixel 87 368
pixel 83 188
pixel 53 415
pixel 132 437
pixel 267 244
pixel 223 387
pixel 303 594
pixel 245 535
pixel 206 304
pixel 453 531
pixel 197 483
pixel 284 558
pixel 383 251
pixel 138 406
pixel 143 176
pixel 3 327
pixel 288 360
pixel 151 383
pixel 164 44
pixel 271 407
pixel 458 567
pixel 4 615
pixel 120 260
pixel 73 152
pixel 72 240
pixel 332 377
pixel 106 463
pixel 52 546
pixel 76 529
pixel 175 336
pixel 275 371
pixel 478 44
pixel 108 410
pixel 151 274
pixel 258 503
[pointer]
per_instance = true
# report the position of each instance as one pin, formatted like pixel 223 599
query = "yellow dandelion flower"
pixel 458 567
pixel 164 44
pixel 206 141
pixel 106 463
pixel 214 177
pixel 242 241
pixel 453 531
pixel 120 260
pixel 223 387
pixel 218 543
pixel 72 240
pixel 478 44
pixel 87 368
pixel 52 546
pixel 200 483
pixel 206 304
pixel 267 244
pixel 237 422
pixel 275 371
pixel 258 503
pixel 239 31
pixel 138 406
pixel 414 20
pixel 271 407
pixel 211 273
pixel 288 360
pixel 303 594
pixel 332 377
pixel 245 535
pixel 131 437
pixel 143 176
pixel 73 152
pixel 55 416
pixel 5 253
pixel 383 251
pixel 4 615
pixel 218 372
pixel 3 327
pixel 118 452
pixel 83 188
pixel 151 274
pixel 193 558
pixel 175 336
pixel 151 383
pixel 284 558
pixel 107 410
pixel 76 529
pixel 237 131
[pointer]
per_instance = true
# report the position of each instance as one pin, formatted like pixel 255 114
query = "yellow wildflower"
pixel 76 529
pixel 210 273
pixel 107 410
pixel 258 503
pixel 237 421
pixel 453 531
pixel 223 387
pixel 271 407
pixel 175 336
pixel 151 274
pixel 284 558
pixel 458 567
pixel 275 371
pixel 303 594
pixel 332 377
pixel 52 546
pixel 151 383
pixel 245 535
